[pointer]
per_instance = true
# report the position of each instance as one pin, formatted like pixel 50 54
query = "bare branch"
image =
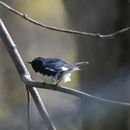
pixel 23 72
pixel 28 108
pixel 97 35
pixel 25 76
pixel 76 93
pixel 43 112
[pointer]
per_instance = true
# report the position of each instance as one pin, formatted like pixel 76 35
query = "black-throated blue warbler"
pixel 54 70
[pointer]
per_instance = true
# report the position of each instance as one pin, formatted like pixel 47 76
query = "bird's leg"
pixel 55 85
pixel 58 82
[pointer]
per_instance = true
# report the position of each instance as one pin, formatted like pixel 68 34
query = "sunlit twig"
pixel 97 35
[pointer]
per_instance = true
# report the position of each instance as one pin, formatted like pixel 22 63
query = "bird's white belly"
pixel 46 79
pixel 66 77
pixel 51 80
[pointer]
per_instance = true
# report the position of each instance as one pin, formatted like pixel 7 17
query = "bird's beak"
pixel 29 62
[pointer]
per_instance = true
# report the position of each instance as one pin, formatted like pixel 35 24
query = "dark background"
pixel 106 76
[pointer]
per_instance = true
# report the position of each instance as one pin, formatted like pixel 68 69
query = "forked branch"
pixel 25 76
pixel 23 73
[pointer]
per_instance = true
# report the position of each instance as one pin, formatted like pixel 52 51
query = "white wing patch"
pixel 76 68
pixel 50 69
pixel 64 68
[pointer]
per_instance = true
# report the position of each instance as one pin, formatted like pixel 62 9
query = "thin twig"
pixel 27 80
pixel 76 93
pixel 28 108
pixel 41 108
pixel 14 54
pixel 97 35
pixel 25 76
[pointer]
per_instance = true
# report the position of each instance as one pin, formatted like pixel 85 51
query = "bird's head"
pixel 37 63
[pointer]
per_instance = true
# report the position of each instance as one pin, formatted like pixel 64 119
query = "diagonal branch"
pixel 96 35
pixel 28 108
pixel 14 54
pixel 25 76
pixel 70 91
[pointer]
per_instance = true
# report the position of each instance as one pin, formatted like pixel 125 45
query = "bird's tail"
pixel 79 64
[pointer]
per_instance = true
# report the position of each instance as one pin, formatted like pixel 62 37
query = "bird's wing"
pixel 49 71
pixel 62 66
pixel 58 65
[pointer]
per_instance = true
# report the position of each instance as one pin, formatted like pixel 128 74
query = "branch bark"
pixel 25 77
pixel 96 35
pixel 86 96
pixel 24 74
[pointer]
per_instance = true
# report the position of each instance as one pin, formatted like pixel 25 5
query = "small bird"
pixel 54 70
